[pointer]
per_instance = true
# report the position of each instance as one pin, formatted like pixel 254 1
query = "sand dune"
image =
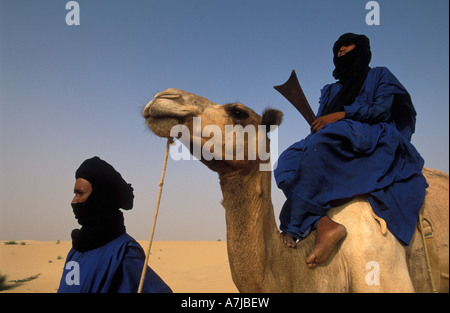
pixel 186 266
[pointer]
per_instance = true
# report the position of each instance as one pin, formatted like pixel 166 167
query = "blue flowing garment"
pixel 367 153
pixel 114 267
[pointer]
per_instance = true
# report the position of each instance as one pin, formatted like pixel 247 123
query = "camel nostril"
pixel 146 112
pixel 170 96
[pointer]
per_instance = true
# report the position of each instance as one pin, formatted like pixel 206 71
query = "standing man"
pixel 107 258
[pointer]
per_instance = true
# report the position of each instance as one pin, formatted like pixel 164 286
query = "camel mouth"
pixel 163 112
pixel 170 108
pixel 161 115
pixel 161 122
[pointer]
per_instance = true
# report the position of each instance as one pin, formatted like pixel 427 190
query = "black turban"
pixel 354 61
pixel 99 215
pixel 106 180
pixel 351 70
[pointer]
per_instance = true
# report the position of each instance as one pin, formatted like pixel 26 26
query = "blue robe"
pixel 115 267
pixel 366 153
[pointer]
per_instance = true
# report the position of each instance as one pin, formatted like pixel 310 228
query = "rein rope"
pixel 160 184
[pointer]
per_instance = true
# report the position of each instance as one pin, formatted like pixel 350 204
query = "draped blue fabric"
pixel 115 267
pixel 367 153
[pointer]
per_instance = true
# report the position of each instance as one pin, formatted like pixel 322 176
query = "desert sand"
pixel 186 266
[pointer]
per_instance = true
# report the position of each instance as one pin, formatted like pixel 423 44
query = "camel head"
pixel 223 137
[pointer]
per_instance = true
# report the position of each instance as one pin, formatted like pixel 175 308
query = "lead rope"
pixel 161 183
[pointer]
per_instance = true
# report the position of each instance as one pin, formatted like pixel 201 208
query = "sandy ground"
pixel 186 266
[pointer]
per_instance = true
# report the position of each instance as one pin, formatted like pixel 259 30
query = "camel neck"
pixel 247 200
pixel 251 223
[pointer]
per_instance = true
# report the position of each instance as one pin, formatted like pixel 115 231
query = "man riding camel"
pixel 358 145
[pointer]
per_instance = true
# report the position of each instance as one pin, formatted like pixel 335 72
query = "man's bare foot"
pixel 288 240
pixel 329 234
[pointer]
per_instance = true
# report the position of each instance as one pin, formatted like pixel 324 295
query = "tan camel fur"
pixel 366 260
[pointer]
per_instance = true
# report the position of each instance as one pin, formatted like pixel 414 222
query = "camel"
pixel 369 259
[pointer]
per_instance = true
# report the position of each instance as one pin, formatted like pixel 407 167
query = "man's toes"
pixel 311 260
pixel 289 240
pixel 312 265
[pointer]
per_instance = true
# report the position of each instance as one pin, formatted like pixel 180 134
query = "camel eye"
pixel 239 114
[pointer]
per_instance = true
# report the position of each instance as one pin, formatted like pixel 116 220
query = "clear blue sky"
pixel 68 93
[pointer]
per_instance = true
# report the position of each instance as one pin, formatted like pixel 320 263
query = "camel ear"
pixel 271 117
